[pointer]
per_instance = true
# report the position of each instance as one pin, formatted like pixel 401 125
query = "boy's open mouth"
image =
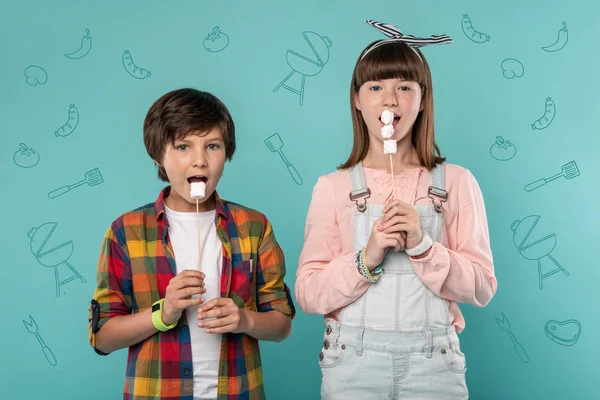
pixel 197 178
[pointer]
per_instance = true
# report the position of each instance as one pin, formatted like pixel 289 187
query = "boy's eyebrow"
pixel 186 138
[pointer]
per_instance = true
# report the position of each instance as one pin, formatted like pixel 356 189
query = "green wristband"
pixel 157 320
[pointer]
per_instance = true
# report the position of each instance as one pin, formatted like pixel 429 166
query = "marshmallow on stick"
pixel 198 191
pixel 389 145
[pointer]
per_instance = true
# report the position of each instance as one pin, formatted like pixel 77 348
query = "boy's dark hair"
pixel 180 113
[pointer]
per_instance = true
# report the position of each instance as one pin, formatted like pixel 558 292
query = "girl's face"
pixel 399 96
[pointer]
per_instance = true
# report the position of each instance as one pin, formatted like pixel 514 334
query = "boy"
pixel 191 317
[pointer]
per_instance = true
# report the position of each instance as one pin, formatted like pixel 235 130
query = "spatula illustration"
pixel 33 329
pixel 275 144
pixel 504 324
pixel 569 171
pixel 92 178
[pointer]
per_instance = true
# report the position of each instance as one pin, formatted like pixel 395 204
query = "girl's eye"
pixel 404 88
pixel 375 88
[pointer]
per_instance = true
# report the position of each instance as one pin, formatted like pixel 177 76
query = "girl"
pixel 386 263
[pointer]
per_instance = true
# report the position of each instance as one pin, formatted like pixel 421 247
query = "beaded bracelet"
pixel 364 270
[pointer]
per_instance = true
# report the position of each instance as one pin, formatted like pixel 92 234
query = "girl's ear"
pixel 356 101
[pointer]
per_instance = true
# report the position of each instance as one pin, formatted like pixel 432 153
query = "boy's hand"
pixel 229 317
pixel 179 294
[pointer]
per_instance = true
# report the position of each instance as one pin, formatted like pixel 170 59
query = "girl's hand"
pixel 404 218
pixel 379 244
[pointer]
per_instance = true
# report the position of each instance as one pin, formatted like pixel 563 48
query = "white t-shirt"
pixel 206 347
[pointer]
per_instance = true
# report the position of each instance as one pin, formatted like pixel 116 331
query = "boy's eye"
pixel 182 147
pixel 214 146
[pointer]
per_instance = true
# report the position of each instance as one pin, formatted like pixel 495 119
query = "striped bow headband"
pixel 396 35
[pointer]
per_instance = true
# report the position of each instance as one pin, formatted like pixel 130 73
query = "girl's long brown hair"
pixel 395 61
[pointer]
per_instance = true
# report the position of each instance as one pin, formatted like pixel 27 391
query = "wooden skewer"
pixel 198 218
pixel 393 180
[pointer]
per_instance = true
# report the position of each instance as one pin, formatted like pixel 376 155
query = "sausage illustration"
pixel 132 69
pixel 471 33
pixel 71 123
pixel 545 120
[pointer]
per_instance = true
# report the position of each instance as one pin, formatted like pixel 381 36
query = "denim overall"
pixel 396 341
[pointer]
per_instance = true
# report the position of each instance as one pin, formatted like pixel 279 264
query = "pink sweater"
pixel 459 268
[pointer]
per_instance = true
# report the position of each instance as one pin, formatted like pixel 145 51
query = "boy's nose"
pixel 200 160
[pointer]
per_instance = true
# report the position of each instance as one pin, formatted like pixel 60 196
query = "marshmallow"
pixel 387 131
pixel 387 117
pixel 198 190
pixel 389 147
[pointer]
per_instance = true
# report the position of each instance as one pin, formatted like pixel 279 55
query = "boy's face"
pixel 194 158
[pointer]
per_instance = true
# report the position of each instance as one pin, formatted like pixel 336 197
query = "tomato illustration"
pixel 216 40
pixel 26 157
pixel 503 150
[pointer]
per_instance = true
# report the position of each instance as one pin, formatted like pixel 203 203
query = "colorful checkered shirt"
pixel 135 266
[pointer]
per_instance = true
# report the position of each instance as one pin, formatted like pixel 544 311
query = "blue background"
pixel 475 101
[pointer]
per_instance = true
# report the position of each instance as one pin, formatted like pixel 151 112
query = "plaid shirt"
pixel 135 266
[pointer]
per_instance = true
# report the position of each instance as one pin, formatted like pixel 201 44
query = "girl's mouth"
pixel 394 123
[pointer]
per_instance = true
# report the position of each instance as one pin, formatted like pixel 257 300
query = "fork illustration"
pixel 33 328
pixel 504 324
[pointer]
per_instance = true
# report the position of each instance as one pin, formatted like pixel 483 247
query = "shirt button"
pixel 326 345
pixel 328 330
pixel 321 356
pixel 186 372
pixel 443 351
